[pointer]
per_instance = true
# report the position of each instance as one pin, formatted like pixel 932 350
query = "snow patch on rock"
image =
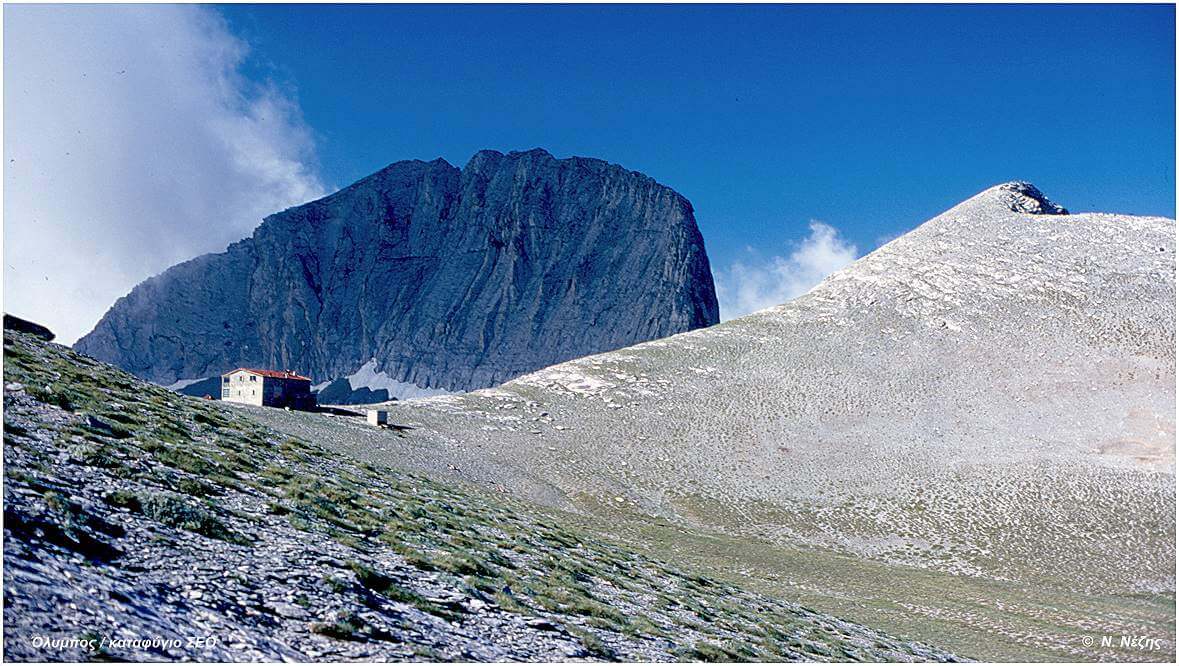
pixel 177 385
pixel 368 376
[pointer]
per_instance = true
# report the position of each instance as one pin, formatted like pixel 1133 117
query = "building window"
pixel 253 378
pixel 225 380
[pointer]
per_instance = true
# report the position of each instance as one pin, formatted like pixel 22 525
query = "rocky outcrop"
pixel 340 392
pixel 12 322
pixel 1023 197
pixel 448 278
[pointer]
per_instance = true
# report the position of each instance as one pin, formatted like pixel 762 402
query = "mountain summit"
pixel 429 275
pixel 1023 197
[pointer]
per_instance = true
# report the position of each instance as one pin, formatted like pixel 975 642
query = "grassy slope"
pixel 176 458
pixel 989 620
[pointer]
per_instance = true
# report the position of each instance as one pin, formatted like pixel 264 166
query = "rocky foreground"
pixel 142 525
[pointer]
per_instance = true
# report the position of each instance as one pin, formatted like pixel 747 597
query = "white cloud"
pixel 748 286
pixel 132 142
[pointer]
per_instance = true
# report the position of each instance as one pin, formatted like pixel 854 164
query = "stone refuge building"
pixel 269 388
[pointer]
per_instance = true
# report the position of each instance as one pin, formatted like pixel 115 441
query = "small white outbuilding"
pixel 378 417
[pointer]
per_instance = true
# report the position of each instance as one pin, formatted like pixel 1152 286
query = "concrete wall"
pixel 243 387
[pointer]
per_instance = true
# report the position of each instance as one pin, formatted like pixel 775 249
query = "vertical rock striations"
pixel 447 278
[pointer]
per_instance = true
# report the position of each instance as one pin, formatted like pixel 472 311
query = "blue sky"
pixel 138 136
pixel 870 118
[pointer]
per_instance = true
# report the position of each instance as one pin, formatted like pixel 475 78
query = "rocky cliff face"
pixel 447 278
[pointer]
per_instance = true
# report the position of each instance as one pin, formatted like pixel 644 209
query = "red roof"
pixel 277 374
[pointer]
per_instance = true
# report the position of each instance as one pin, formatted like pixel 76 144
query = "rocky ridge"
pixel 449 279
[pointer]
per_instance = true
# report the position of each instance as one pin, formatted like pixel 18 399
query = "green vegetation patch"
pixel 176 511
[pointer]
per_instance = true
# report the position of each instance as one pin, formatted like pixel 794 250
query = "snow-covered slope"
pixel 989 398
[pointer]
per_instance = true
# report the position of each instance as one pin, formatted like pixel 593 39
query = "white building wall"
pixel 243 387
